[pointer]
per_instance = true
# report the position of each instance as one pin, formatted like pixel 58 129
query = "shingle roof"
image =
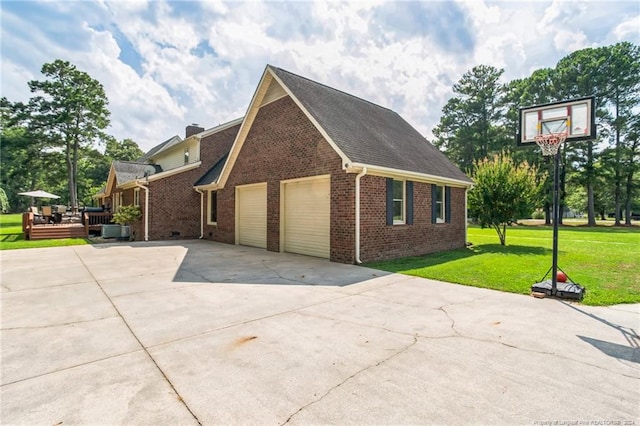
pixel 172 141
pixel 213 173
pixel 127 171
pixel 368 133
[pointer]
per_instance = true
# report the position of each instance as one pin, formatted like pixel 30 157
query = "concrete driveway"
pixel 194 332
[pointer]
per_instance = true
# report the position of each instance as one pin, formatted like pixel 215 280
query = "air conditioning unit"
pixel 110 231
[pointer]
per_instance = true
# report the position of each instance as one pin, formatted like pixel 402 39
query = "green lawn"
pixel 605 260
pixel 11 236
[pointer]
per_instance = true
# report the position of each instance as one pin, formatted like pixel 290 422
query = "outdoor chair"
pixel 47 213
pixel 37 218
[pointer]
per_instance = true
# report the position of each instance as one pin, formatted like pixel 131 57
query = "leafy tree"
pixel 503 192
pixel 622 92
pixel 534 90
pixel 471 125
pixel 24 156
pixel 4 201
pixel 630 163
pixel 125 150
pixel 70 110
pixel 577 199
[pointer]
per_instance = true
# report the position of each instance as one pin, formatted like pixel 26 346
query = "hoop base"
pixel 550 143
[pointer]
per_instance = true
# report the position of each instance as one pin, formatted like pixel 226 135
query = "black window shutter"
pixel 409 191
pixel 447 204
pixel 389 201
pixel 434 203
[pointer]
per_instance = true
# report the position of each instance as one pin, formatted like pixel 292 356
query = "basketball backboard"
pixel 576 117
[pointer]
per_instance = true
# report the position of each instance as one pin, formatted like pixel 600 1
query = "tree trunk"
pixel 629 194
pixel 70 175
pixel 618 165
pixel 591 210
pixel 74 167
pixel 563 181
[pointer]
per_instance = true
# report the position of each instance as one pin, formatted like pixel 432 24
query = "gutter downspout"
pixel 358 176
pixel 201 192
pixel 146 210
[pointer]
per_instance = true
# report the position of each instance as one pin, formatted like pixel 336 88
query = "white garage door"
pixel 251 215
pixel 307 212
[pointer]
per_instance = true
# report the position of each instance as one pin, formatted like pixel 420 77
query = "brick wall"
pixel 174 204
pixel 283 144
pixel 381 241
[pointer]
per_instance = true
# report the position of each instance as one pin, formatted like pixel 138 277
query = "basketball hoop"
pixel 550 142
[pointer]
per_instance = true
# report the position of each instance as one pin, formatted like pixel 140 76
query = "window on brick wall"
pixel 399 202
pixel 212 213
pixel 440 204
pixel 136 197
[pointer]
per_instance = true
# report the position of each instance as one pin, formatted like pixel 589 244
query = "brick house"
pixel 161 182
pixel 317 171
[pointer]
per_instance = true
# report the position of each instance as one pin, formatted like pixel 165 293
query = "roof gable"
pixel 366 133
pixel 362 133
pixel 163 146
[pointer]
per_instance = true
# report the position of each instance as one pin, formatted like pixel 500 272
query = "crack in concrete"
pixel 146 351
pixel 48 286
pixel 377 327
pixel 357 373
pixel 280 276
pixel 7 287
pixel 464 336
pixel 239 323
pixel 70 367
pixel 35 327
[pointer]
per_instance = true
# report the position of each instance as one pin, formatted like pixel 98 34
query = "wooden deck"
pixel 72 226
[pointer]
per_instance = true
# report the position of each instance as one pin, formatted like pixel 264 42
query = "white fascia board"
pixel 247 121
pixel 404 174
pixel 221 127
pixel 110 178
pixel 167 173
pixel 208 187
pixel 343 156
pixel 158 176
pixel 267 76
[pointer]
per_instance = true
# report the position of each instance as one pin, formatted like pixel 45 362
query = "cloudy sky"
pixel 166 64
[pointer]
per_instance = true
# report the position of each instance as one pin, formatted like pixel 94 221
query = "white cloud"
pixel 629 29
pixel 569 41
pixel 178 80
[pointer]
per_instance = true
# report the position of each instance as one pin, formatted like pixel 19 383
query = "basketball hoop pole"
pixel 549 125
pixel 550 145
pixel 556 219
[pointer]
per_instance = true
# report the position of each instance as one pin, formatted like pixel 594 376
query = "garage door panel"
pixel 252 216
pixel 307 217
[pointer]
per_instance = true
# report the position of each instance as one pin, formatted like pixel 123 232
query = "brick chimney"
pixel 193 129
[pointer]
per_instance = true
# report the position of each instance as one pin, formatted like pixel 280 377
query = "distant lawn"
pixel 605 260
pixel 11 236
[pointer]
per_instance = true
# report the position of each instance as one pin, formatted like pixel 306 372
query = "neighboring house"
pixel 317 171
pixel 161 182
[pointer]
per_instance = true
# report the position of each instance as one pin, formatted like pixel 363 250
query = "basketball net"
pixel 550 142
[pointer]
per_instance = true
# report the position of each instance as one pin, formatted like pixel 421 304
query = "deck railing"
pixel 99 218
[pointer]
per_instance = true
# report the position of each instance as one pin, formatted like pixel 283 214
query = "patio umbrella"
pixel 39 194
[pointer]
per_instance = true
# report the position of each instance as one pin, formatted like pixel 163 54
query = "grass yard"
pixel 11 236
pixel 605 260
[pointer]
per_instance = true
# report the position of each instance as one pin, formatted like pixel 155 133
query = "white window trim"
pixel 403 220
pixel 136 197
pixel 442 212
pixel 210 195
